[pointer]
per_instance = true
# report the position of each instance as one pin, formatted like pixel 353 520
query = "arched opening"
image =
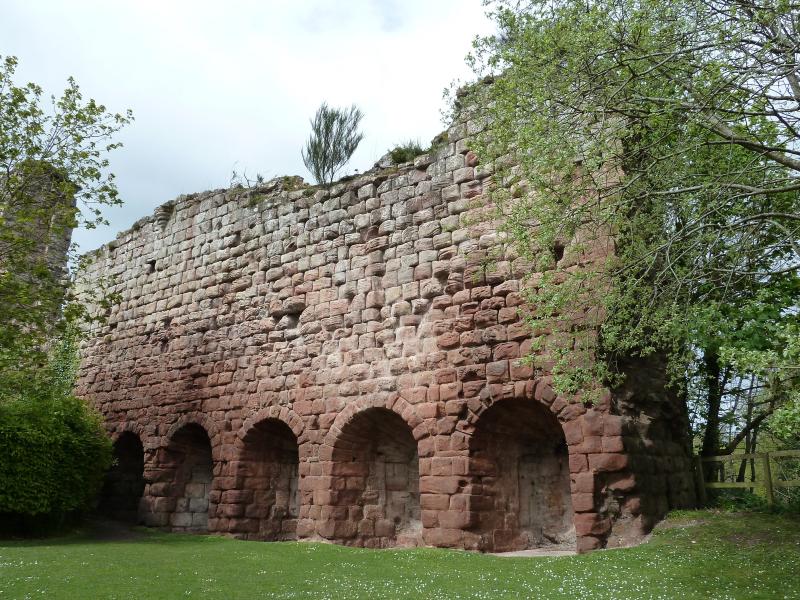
pixel 188 456
pixel 520 470
pixel 268 468
pixel 375 481
pixel 124 482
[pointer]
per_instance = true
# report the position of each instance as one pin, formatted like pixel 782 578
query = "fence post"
pixel 768 481
pixel 700 481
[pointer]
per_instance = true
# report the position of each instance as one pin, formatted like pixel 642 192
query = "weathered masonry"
pixel 291 363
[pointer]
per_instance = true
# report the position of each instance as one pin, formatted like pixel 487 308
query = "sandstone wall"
pixel 354 365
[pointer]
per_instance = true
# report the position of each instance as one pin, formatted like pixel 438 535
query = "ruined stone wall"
pixel 352 365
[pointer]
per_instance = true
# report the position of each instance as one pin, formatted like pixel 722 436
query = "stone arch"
pixel 266 503
pixel 373 478
pixel 133 427
pixel 124 482
pixel 537 391
pixel 394 403
pixel 202 420
pixel 279 413
pixel 186 463
pixel 519 464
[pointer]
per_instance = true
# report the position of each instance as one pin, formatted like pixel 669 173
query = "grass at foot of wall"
pixel 699 554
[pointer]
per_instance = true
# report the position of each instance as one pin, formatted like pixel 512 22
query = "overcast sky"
pixel 218 86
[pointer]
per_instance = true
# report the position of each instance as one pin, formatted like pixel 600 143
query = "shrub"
pixel 55 451
pixel 405 152
pixel 334 138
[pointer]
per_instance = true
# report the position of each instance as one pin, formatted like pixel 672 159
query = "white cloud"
pixel 218 85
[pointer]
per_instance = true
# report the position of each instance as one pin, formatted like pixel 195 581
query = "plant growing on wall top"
pixel 333 140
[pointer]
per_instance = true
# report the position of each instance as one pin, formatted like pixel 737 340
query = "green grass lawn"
pixel 724 556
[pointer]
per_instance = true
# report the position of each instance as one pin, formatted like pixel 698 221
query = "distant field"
pixel 695 555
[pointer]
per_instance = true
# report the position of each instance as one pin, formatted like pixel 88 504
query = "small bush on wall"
pixel 406 152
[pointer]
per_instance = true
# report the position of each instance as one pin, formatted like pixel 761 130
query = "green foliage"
pixel 53 177
pixel 405 152
pixel 334 138
pixel 55 450
pixel 739 500
pixel 657 145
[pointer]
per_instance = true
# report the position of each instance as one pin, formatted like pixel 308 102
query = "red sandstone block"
pixel 449 391
pixel 434 502
pixel 592 422
pixel 506 350
pixel 480 293
pixel 497 371
pixel 460 465
pixel 591 524
pixel 426 446
pixel 448 340
pixel 458 441
pixel 441 466
pixel 439 485
pixel 494 334
pixel 507 315
pixel 587 543
pixel 520 370
pixel 429 410
pixel 231 510
pixel 484 318
pixel 573 433
pixel 424 466
pixel 558 405
pixel 384 528
pixel 430 518
pixel 446 375
pixel 578 463
pixel 457 519
pixel 501 391
pixel 237 496
pixel 544 393
pixel 446 425
pixel 454 407
pixel 613 444
pixel 590 445
pixel 162 504
pixel 503 539
pixel 442 538
pixel 608 462
pixel 518 331
pixel 583 483
pixel 471 338
pixel 612 425
pixel 303 408
pixel 414 395
pixel 494 303
pixel 582 502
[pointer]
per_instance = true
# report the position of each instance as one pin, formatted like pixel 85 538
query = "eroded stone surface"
pixel 346 365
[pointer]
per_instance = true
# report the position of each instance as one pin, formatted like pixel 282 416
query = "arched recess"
pixel 124 482
pixel 188 463
pixel 519 470
pixel 268 474
pixel 374 496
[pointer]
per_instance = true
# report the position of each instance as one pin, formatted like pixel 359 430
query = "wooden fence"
pixel 774 472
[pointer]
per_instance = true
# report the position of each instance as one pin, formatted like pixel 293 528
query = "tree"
pixel 334 138
pixel 53 177
pixel 671 131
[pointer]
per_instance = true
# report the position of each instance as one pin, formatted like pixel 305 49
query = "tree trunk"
pixel 711 437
